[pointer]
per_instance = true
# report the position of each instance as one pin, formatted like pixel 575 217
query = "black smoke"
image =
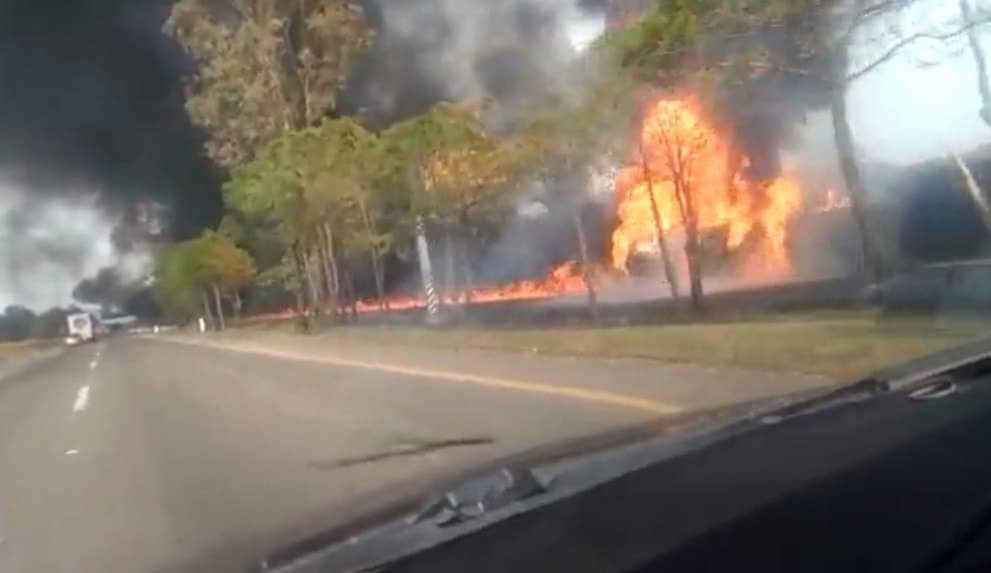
pixel 428 51
pixel 91 99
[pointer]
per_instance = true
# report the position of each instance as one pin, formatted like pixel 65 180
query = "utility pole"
pixel 426 273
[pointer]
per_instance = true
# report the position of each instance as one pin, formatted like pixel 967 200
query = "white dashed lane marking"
pixel 71 452
pixel 82 399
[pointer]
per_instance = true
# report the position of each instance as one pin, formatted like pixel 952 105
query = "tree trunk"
pixel 301 306
pixel 466 258
pixel 221 323
pixel 588 273
pixel 377 271
pixel 352 295
pixel 206 308
pixel 312 283
pixel 331 251
pixel 325 274
pixel 238 305
pixel 983 84
pixel 693 254
pixel 662 241
pixel 856 188
pixel 976 193
pixel 450 294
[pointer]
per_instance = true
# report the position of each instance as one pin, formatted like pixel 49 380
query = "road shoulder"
pixel 655 387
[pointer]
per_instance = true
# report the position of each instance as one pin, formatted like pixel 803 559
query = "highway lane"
pixel 133 455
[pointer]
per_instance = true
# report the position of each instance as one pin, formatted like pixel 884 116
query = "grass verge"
pixel 840 345
pixel 14 350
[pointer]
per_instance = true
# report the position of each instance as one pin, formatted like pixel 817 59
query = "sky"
pixel 924 103
pixel 92 126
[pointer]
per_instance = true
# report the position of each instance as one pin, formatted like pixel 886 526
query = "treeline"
pixel 19 323
pixel 317 203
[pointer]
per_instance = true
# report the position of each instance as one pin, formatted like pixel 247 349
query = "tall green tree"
pixel 264 66
pixel 193 271
pixel 178 286
pixel 267 191
pixel 452 172
pixel 227 268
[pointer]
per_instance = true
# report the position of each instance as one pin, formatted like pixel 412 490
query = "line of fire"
pixel 784 236
pixel 773 238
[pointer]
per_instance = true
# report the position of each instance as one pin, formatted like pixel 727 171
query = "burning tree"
pixel 674 144
pixel 745 51
pixel 689 181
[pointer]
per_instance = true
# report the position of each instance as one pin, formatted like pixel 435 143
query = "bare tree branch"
pixel 893 50
pixel 868 13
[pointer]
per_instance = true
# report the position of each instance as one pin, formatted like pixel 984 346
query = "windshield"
pixel 269 267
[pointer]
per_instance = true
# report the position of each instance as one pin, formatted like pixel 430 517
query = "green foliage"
pixel 447 163
pixel 264 67
pixel 727 43
pixel 178 280
pixel 185 269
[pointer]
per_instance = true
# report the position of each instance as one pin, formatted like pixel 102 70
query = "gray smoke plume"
pixel 508 52
pixel 92 133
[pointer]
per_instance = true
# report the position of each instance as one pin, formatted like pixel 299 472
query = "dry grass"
pixel 13 350
pixel 840 345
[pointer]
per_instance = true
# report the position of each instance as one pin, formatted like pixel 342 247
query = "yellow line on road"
pixel 599 396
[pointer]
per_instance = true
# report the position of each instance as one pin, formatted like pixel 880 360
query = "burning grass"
pixel 840 345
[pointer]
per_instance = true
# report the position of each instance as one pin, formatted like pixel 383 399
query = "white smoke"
pixel 49 245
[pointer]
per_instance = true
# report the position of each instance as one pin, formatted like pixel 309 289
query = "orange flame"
pixel 564 279
pixel 680 148
pixel 752 219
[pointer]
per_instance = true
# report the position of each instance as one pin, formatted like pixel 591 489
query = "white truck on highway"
pixel 81 328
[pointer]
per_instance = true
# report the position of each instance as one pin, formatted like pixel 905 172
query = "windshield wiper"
pixel 477 497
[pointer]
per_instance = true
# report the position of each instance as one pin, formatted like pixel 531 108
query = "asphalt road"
pixel 133 455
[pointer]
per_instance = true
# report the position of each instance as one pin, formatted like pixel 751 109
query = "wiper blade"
pixel 477 497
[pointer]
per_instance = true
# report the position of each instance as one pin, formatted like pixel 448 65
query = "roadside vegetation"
pixel 324 209
pixel 841 345
pixel 23 349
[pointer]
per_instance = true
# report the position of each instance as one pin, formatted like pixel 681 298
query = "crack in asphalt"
pixel 413 449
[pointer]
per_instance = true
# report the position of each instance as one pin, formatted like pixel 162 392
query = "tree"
pixel 264 66
pixel 192 271
pixel 227 268
pixel 267 191
pixel 673 143
pixel 742 50
pixel 845 71
pixel 448 169
pixel 178 282
pixel 980 62
pixel 352 192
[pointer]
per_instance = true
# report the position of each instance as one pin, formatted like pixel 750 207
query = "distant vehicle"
pixel 81 326
pixel 73 340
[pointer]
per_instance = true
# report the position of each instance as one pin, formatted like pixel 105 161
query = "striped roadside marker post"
pixel 426 273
